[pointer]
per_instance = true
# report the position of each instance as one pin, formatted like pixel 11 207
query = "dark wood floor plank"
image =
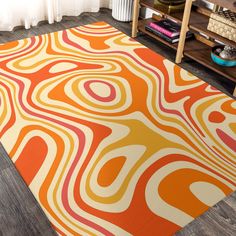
pixel 219 220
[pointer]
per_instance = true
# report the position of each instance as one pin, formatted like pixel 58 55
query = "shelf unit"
pixel 194 18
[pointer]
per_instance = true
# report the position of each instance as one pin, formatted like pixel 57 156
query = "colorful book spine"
pixel 161 35
pixel 162 30
pixel 174 39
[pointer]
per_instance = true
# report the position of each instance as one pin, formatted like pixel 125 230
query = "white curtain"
pixel 30 12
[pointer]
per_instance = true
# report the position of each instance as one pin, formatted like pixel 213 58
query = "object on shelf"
pixel 223 23
pixel 173 39
pixel 122 10
pixel 170 6
pixel 228 53
pixel 224 55
pixel 166 27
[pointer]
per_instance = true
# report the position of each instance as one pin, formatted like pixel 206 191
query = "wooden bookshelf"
pixel 196 19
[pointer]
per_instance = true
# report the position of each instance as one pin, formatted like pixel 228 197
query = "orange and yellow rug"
pixel 112 138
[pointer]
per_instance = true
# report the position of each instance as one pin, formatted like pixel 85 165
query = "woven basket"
pixel 224 24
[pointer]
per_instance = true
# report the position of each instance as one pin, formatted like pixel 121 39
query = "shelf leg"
pixel 234 93
pixel 184 29
pixel 135 18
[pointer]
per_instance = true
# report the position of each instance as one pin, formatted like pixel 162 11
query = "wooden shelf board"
pixel 202 54
pixel 150 4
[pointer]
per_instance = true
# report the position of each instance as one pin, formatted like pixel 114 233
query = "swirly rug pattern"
pixel 112 138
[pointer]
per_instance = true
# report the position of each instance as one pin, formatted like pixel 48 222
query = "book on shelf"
pixel 167 27
pixel 173 39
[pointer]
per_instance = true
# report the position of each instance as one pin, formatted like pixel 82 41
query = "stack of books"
pixel 167 30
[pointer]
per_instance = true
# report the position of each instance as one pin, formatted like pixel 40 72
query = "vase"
pixel 170 6
pixel 122 10
pixel 172 2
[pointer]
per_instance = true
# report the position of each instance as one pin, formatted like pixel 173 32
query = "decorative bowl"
pixel 219 60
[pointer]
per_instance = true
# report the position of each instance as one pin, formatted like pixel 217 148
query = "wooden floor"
pixel 19 212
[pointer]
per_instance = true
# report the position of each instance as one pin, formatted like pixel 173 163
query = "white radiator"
pixel 122 9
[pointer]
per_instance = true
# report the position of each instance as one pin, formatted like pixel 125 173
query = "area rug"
pixel 112 138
